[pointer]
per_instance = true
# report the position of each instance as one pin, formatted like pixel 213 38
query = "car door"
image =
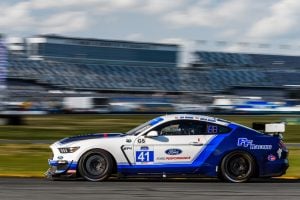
pixel 178 144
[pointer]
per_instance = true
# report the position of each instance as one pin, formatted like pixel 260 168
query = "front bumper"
pixel 61 168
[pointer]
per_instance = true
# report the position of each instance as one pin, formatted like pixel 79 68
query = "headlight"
pixel 68 149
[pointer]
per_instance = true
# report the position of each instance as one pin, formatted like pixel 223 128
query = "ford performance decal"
pixel 173 151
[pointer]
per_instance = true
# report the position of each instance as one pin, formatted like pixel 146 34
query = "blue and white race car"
pixel 175 146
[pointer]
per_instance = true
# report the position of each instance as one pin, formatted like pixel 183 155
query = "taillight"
pixel 282 145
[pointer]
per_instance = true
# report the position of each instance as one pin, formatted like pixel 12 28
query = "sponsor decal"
pixel 173 151
pixel 127 148
pixel 174 158
pixel 178 158
pixel 144 148
pixel 208 119
pixel 271 157
pixel 244 142
pixel 128 140
pixel 188 117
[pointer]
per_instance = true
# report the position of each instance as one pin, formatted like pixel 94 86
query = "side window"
pixel 182 127
pixel 224 129
pixel 171 129
pixel 190 127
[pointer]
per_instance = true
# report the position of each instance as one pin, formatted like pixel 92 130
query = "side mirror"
pixel 152 134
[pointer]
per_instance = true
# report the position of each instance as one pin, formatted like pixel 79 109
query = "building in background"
pixel 109 52
pixel 15 46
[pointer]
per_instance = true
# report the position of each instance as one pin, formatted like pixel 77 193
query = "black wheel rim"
pixel 238 167
pixel 95 165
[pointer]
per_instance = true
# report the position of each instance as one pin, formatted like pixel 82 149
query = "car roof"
pixel 195 117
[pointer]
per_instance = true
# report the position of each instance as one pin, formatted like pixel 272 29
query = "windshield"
pixel 137 130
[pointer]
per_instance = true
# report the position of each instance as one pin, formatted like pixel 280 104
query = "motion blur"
pixel 57 74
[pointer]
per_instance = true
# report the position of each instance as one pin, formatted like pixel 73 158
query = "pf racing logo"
pixel 244 142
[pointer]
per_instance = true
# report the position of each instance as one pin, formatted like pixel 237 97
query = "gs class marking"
pixel 141 141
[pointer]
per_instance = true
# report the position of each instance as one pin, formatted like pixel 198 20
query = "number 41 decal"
pixel 144 156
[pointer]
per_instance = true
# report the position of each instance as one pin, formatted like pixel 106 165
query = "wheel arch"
pixel 256 165
pixel 99 149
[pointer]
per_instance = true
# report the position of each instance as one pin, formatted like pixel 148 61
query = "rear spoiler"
pixel 275 128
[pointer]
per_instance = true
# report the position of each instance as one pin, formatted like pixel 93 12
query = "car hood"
pixel 90 136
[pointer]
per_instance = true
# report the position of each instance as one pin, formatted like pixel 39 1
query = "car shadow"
pixel 203 180
pixel 187 180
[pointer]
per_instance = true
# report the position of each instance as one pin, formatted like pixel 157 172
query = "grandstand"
pixel 255 69
pixel 107 52
pixel 99 77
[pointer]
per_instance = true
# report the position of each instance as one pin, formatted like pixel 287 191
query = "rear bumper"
pixel 276 168
pixel 60 168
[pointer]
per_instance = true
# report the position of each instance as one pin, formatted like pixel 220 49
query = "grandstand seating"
pixel 32 78
pixel 222 79
pixel 103 77
pixel 243 59
pixel 94 76
pixel 220 58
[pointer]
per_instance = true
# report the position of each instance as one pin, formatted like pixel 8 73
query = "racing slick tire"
pixel 95 165
pixel 237 167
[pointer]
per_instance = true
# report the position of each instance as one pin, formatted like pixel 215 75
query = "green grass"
pixel 294 161
pixel 23 159
pixel 31 160
pixel 54 127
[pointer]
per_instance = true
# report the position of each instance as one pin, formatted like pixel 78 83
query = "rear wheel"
pixel 95 165
pixel 237 167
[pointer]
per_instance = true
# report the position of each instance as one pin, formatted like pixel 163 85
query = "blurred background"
pixel 109 60
pixel 47 74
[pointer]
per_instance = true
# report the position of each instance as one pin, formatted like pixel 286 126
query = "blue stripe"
pixel 155 121
pixel 87 137
pixel 209 150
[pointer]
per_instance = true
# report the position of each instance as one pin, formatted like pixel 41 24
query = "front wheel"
pixel 95 165
pixel 237 167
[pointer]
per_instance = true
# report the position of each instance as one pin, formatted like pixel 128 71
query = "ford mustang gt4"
pixel 175 146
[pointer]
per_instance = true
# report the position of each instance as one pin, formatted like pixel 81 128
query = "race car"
pixel 178 145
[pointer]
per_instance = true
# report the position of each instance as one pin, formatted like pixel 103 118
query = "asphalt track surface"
pixel 207 189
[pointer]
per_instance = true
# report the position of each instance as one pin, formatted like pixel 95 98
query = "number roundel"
pixel 144 156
